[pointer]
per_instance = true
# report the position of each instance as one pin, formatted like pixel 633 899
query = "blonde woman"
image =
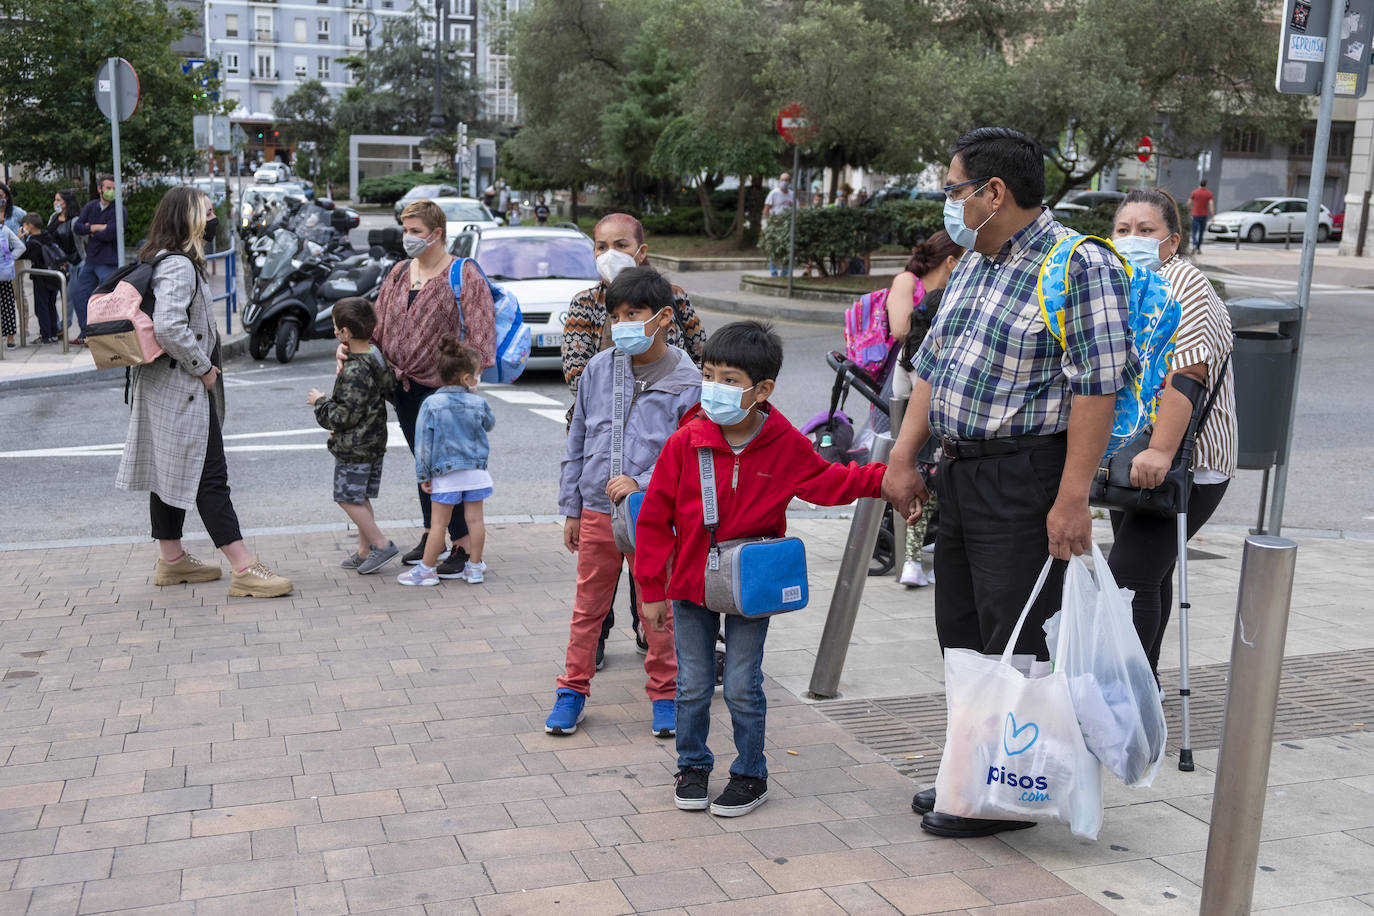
pixel 174 449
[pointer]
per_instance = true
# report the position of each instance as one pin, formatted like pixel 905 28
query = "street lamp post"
pixel 436 116
pixel 371 21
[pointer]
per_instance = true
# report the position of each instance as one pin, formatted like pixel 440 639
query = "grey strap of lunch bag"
pixel 710 513
pixel 618 420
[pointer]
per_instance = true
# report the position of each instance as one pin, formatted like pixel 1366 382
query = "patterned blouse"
pixel 588 331
pixel 408 333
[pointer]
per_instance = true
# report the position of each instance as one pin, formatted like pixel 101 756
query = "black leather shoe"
pixel 923 801
pixel 965 827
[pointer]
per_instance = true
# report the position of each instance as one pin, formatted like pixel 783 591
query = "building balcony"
pixel 264 36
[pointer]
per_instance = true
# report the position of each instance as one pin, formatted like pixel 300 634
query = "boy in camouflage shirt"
pixel 355 414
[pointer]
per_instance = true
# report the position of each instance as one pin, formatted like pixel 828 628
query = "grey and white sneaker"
pixel 378 557
pixel 353 561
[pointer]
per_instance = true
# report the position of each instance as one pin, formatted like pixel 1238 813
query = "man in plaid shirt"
pixel 1022 422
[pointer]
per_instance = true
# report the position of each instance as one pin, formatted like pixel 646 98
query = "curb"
pixel 229 348
pixel 830 297
pixel 769 310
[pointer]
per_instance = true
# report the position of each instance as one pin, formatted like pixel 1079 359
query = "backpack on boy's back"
pixel 512 334
pixel 1153 317
pixel 119 316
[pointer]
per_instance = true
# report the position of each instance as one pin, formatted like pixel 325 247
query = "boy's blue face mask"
pixel 632 336
pixel 721 402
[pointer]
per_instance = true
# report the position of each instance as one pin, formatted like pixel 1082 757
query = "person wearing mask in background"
pixel 1203 206
pixel 42 254
pixel 541 211
pixel 62 228
pixel 619 240
pixel 97 220
pixel 1145 548
pixel 923 281
pixel 778 203
pixel 11 248
pixel 415 309
pixel 10 214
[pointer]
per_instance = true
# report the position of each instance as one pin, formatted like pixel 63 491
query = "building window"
pixel 231 64
pixel 322 67
pixel 300 66
pixel 231 26
pixel 298 30
pixel 461 35
pixel 265 102
pixel 460 8
pixel 262 26
pixel 358 27
pixel 1246 141
pixel 322 28
pixel 427 33
pixel 263 67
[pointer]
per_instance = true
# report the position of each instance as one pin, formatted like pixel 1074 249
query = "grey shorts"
pixel 355 484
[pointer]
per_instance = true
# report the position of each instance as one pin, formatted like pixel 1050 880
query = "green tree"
pixel 306 118
pixel 47 79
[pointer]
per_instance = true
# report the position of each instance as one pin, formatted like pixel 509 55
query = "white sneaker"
pixel 913 576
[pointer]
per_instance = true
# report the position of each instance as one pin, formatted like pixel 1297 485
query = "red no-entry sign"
pixel 1143 148
pixel 795 124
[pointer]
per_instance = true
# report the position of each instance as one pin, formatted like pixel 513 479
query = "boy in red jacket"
pixel 765 461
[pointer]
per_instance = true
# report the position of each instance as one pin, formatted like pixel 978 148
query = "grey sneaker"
pixel 378 557
pixel 352 561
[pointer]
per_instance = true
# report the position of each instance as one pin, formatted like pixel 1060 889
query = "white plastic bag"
pixel 1013 749
pixel 1093 641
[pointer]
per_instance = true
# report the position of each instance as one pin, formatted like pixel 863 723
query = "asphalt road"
pixel 60 447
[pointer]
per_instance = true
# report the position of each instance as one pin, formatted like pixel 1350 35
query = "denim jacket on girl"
pixel 451 433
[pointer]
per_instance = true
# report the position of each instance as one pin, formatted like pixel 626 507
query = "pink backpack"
pixel 867 338
pixel 119 317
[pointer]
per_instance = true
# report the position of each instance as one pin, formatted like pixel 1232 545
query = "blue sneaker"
pixel 665 718
pixel 567 712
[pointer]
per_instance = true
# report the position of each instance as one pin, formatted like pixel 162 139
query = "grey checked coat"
pixel 170 422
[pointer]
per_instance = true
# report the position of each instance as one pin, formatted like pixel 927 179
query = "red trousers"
pixel 598 570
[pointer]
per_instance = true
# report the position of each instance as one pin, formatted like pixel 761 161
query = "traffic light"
pixel 259 135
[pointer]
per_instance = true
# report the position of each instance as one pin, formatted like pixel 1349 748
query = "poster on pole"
pixel 1302 47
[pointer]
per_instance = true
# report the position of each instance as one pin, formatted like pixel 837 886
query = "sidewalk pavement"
pixel 361 747
pixel 1283 264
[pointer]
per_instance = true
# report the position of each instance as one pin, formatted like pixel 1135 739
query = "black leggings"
pixel 407 412
pixel 212 498
pixel 1144 553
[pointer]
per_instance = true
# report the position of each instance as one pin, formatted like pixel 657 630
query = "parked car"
pixel 543 267
pixel 1091 199
pixel 1268 217
pixel 462 212
pixel 421 191
pixel 1337 225
pixel 214 188
pixel 272 172
pixel 899 193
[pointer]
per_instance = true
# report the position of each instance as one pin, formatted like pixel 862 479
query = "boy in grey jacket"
pixel 629 401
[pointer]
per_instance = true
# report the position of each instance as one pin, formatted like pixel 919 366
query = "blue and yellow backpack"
pixel 1154 315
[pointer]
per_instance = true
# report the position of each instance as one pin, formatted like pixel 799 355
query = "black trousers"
pixel 407 412
pixel 1144 554
pixel 45 309
pixel 991 546
pixel 212 498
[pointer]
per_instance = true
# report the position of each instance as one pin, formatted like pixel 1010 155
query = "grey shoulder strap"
pixel 618 419
pixel 707 467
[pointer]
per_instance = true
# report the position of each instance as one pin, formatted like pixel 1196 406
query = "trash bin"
pixel 1265 368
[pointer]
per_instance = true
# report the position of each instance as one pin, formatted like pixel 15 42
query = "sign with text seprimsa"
pixel 1302 46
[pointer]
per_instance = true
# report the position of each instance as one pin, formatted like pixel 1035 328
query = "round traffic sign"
pixel 794 124
pixel 1143 148
pixel 124 89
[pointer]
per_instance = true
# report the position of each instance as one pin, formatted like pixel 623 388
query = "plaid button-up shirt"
pixel 994 368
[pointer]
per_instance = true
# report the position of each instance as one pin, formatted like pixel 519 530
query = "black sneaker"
pixel 741 796
pixel 600 653
pixel 452 566
pixel 690 794
pixel 416 555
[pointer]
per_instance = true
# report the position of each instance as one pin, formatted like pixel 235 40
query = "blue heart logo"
pixel 1011 733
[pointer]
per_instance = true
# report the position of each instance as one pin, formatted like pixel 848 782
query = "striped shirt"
pixel 1205 336
pixel 994 368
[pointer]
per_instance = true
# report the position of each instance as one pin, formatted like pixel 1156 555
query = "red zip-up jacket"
pixel 753 489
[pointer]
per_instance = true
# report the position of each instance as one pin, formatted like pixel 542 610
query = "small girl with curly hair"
pixel 451 452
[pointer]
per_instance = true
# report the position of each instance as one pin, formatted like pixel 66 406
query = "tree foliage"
pixel 47 81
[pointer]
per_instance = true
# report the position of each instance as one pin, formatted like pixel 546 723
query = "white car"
pixel 463 212
pixel 544 267
pixel 1268 217
pixel 272 172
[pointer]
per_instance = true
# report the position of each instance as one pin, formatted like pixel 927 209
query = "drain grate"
pixel 1327 694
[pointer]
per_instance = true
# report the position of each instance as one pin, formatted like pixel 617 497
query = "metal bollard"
pixel 849 588
pixel 1288 236
pixel 1266 589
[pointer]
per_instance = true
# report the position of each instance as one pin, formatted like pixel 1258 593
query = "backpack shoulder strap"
pixel 1052 286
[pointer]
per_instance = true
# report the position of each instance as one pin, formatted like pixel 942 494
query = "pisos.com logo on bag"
pixel 1016 740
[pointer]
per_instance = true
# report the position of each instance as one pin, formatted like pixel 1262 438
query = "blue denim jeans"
pixel 694 630
pixel 90 276
pixel 1199 227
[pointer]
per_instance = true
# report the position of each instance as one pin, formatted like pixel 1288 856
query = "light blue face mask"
pixel 959 232
pixel 721 402
pixel 631 337
pixel 1140 250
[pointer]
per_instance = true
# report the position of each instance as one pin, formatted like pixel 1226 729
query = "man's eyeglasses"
pixel 950 188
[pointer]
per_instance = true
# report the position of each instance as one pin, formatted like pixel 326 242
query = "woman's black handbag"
pixel 1112 487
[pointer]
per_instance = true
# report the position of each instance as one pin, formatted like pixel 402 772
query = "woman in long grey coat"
pixel 174 448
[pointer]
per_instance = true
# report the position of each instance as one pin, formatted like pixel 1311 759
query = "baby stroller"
pixel 834 437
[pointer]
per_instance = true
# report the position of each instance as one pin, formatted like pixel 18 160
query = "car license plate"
pixel 548 340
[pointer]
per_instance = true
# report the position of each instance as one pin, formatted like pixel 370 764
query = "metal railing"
pixel 230 296
pixel 21 303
